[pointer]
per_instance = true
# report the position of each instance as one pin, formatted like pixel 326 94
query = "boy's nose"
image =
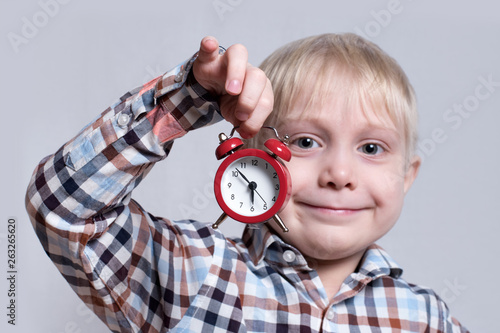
pixel 338 172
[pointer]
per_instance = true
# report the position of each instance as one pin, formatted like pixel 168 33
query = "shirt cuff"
pixel 178 93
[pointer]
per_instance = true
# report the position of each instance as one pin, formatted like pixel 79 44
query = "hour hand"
pixel 251 185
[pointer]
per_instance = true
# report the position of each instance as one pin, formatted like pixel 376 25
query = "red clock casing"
pixel 283 177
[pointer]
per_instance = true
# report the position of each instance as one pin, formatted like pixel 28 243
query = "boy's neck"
pixel 334 272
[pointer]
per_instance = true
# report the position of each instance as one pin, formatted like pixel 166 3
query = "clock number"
pixel 277 186
pixel 232 196
pixel 265 206
pixel 252 209
pixel 274 199
pixel 275 175
pixel 255 162
pixel 243 165
pixel 235 173
pixel 229 185
pixel 241 204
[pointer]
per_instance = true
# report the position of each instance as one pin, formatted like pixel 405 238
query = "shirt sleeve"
pixel 104 244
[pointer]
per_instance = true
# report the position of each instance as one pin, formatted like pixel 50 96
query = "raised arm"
pixel 79 199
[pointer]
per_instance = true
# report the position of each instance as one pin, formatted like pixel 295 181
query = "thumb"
pixel 209 50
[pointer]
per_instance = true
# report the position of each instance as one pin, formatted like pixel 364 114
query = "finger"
pixel 237 59
pixel 209 50
pixel 264 107
pixel 253 87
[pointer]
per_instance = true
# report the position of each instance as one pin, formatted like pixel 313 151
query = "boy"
pixel 351 116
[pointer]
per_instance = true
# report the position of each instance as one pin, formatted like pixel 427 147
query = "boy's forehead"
pixel 341 106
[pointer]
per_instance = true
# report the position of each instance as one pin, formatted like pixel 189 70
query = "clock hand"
pixel 242 175
pixel 251 185
pixel 260 195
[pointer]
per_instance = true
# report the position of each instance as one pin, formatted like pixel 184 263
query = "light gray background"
pixel 85 54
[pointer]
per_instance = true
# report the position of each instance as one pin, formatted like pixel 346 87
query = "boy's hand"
pixel 245 93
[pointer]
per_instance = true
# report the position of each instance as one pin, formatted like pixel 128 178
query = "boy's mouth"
pixel 340 210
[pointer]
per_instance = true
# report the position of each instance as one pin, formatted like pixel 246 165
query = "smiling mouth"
pixel 340 211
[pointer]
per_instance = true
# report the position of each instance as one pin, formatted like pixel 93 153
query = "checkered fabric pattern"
pixel 141 273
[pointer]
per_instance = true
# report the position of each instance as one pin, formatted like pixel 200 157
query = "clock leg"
pixel 219 221
pixel 279 222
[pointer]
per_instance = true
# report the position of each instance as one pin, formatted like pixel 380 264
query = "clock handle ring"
pixel 283 139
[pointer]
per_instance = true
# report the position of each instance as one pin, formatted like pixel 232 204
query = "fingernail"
pixel 234 87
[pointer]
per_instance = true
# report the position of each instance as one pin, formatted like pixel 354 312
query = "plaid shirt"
pixel 140 273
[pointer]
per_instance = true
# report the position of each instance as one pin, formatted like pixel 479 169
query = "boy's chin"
pixel 322 246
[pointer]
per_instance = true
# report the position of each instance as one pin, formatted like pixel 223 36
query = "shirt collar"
pixel 262 243
pixel 376 262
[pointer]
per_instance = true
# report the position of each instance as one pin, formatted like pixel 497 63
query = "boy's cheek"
pixel 298 169
pixel 392 180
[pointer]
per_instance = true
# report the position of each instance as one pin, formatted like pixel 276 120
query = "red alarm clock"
pixel 252 185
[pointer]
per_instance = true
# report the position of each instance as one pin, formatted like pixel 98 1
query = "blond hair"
pixel 366 75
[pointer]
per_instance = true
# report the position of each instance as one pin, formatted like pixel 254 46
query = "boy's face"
pixel 349 178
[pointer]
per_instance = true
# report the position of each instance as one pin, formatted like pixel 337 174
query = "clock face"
pixel 250 186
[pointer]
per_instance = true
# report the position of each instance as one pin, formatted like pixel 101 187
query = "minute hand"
pixel 242 175
pixel 251 185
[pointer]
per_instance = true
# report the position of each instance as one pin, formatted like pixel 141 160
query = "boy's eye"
pixel 371 149
pixel 306 143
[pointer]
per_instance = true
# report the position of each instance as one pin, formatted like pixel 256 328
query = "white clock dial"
pixel 250 186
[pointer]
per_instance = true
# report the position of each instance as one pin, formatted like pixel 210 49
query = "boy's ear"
pixel 412 172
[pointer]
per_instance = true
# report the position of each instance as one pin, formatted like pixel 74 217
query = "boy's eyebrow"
pixel 392 130
pixel 388 134
pixel 369 126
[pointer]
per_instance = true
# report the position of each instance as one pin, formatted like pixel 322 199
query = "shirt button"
pixel 330 314
pixel 123 120
pixel 179 76
pixel 289 256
